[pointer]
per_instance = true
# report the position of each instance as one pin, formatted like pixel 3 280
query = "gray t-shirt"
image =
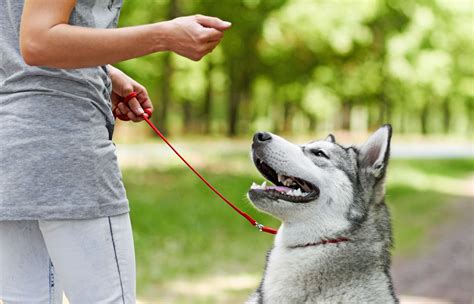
pixel 57 159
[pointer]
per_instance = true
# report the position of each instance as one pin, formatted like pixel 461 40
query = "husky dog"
pixel 333 245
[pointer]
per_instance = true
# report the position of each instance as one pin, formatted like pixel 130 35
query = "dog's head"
pixel 322 183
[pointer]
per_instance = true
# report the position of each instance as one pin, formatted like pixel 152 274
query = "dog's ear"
pixel 330 138
pixel 374 153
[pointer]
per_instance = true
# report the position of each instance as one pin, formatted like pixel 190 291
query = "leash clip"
pixel 259 226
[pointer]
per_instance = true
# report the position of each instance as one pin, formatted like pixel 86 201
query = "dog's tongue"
pixel 279 188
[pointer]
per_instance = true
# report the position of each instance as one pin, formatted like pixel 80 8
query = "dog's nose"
pixel 262 136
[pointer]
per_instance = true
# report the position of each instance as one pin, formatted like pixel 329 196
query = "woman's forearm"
pixel 47 38
pixel 68 46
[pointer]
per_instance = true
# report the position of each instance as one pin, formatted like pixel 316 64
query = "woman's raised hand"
pixel 195 36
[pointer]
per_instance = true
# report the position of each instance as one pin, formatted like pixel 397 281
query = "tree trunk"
pixel 371 121
pixel 388 110
pixel 233 110
pixel 346 115
pixel 207 106
pixel 424 118
pixel 187 118
pixel 312 123
pixel 244 103
pixel 470 114
pixel 287 116
pixel 234 100
pixel 384 110
pixel 446 115
pixel 162 117
pixel 402 127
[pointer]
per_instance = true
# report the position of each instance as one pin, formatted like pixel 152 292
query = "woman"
pixel 64 223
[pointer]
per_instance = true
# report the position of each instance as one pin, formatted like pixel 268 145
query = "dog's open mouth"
pixel 288 188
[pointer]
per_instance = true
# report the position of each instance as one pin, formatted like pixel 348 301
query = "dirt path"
pixel 446 270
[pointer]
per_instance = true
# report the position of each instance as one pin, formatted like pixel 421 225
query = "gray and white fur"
pixel 322 191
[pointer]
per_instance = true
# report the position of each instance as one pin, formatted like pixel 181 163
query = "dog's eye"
pixel 319 153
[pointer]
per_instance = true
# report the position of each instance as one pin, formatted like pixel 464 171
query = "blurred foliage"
pixel 306 65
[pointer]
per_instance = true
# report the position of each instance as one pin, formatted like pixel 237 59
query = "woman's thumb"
pixel 213 22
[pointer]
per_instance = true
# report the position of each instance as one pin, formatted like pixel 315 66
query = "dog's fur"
pixel 349 203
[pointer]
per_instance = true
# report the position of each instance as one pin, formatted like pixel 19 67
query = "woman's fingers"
pixel 213 22
pixel 144 99
pixel 134 117
pixel 122 107
pixel 125 110
pixel 212 45
pixel 211 34
pixel 135 107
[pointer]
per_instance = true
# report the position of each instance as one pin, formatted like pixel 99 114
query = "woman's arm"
pixel 46 38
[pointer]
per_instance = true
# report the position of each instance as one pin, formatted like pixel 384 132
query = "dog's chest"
pixel 313 275
pixel 291 274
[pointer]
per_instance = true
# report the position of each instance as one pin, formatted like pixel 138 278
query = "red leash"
pixel 146 116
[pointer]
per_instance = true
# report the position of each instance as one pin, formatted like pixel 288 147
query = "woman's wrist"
pixel 160 36
pixel 112 71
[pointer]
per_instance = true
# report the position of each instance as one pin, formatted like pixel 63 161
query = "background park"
pixel 302 69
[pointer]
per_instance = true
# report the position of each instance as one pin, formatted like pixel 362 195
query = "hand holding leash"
pixel 117 113
pixel 146 116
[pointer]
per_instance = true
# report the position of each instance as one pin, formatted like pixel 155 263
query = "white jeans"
pixel 92 261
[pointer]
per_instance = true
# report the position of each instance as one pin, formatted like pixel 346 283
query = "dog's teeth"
pixel 297 192
pixel 264 184
pixel 280 177
pixel 254 186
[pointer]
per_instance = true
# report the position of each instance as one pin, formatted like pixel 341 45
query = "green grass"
pixel 183 231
